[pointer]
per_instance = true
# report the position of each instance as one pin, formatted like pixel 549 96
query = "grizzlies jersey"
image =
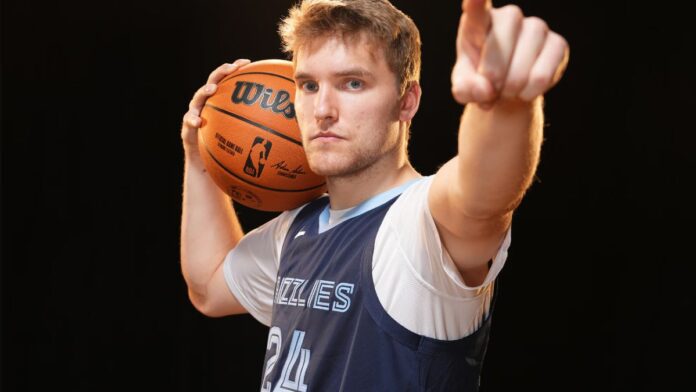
pixel 329 331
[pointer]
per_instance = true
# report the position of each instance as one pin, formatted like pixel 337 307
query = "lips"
pixel 326 136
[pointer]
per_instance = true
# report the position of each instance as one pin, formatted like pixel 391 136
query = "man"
pixel 388 283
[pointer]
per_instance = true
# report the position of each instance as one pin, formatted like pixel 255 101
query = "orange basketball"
pixel 250 141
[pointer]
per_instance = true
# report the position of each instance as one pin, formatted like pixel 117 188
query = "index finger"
pixel 223 70
pixel 477 23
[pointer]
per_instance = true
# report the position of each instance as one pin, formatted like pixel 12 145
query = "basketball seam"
pixel 257 185
pixel 250 122
pixel 255 73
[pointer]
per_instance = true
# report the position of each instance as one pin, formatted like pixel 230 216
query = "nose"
pixel 325 108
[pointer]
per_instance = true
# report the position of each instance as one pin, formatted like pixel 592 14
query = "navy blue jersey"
pixel 329 332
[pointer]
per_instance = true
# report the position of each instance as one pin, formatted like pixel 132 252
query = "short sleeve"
pixel 416 280
pixel 251 267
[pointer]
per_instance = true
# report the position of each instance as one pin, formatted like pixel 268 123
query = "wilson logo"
pixel 250 93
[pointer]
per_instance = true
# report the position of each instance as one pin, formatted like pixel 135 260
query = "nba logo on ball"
pixel 251 114
pixel 258 155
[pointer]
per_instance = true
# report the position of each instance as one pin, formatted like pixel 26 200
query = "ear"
pixel 410 102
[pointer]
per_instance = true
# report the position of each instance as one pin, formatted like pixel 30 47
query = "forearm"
pixel 498 155
pixel 209 225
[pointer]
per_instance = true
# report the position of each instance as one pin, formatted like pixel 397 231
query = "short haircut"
pixel 382 23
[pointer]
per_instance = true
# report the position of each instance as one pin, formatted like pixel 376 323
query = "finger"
pixel 464 47
pixel 500 45
pixel 548 68
pixel 189 128
pixel 529 44
pixel 477 21
pixel 220 72
pixel 192 120
pixel 468 85
pixel 200 96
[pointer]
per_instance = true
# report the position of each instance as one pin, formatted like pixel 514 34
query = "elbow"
pixel 198 302
pixel 207 306
pixel 201 304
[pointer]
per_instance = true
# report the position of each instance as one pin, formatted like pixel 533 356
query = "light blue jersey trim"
pixel 365 206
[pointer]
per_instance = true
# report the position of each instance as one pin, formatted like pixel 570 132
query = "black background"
pixel 596 293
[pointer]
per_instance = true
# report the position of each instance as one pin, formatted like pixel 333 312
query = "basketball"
pixel 250 141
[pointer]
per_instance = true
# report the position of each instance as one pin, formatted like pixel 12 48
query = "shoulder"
pixel 415 195
pixel 411 208
pixel 269 237
pixel 280 223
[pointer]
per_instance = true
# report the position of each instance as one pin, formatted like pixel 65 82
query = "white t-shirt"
pixel 416 281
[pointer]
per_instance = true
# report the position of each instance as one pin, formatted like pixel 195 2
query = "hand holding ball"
pixel 250 142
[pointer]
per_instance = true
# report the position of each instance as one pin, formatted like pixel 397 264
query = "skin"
pixel 353 121
pixel 354 126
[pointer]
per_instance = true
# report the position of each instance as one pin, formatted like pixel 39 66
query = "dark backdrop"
pixel 596 293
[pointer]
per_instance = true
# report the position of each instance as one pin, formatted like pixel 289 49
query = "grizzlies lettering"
pixel 323 294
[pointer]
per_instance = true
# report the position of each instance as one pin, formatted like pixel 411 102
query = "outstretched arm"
pixel 505 63
pixel 209 225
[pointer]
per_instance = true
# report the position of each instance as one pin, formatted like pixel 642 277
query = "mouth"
pixel 326 136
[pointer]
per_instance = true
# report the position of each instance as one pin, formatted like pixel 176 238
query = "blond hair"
pixel 379 19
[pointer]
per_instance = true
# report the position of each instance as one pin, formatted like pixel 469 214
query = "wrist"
pixel 516 104
pixel 192 155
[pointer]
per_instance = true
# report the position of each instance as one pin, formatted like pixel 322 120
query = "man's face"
pixel 347 105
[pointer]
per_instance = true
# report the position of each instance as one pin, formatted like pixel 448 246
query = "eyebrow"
pixel 359 72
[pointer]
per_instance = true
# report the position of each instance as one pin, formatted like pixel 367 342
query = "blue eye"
pixel 355 84
pixel 309 86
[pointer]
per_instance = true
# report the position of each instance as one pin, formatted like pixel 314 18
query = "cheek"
pixel 378 106
pixel 363 112
pixel 378 116
pixel 301 111
pixel 300 108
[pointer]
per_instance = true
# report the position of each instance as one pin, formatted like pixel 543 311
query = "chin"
pixel 330 165
pixel 328 170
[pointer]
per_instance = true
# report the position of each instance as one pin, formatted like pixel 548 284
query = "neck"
pixel 350 190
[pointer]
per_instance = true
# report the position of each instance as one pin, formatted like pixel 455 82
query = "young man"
pixel 388 283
